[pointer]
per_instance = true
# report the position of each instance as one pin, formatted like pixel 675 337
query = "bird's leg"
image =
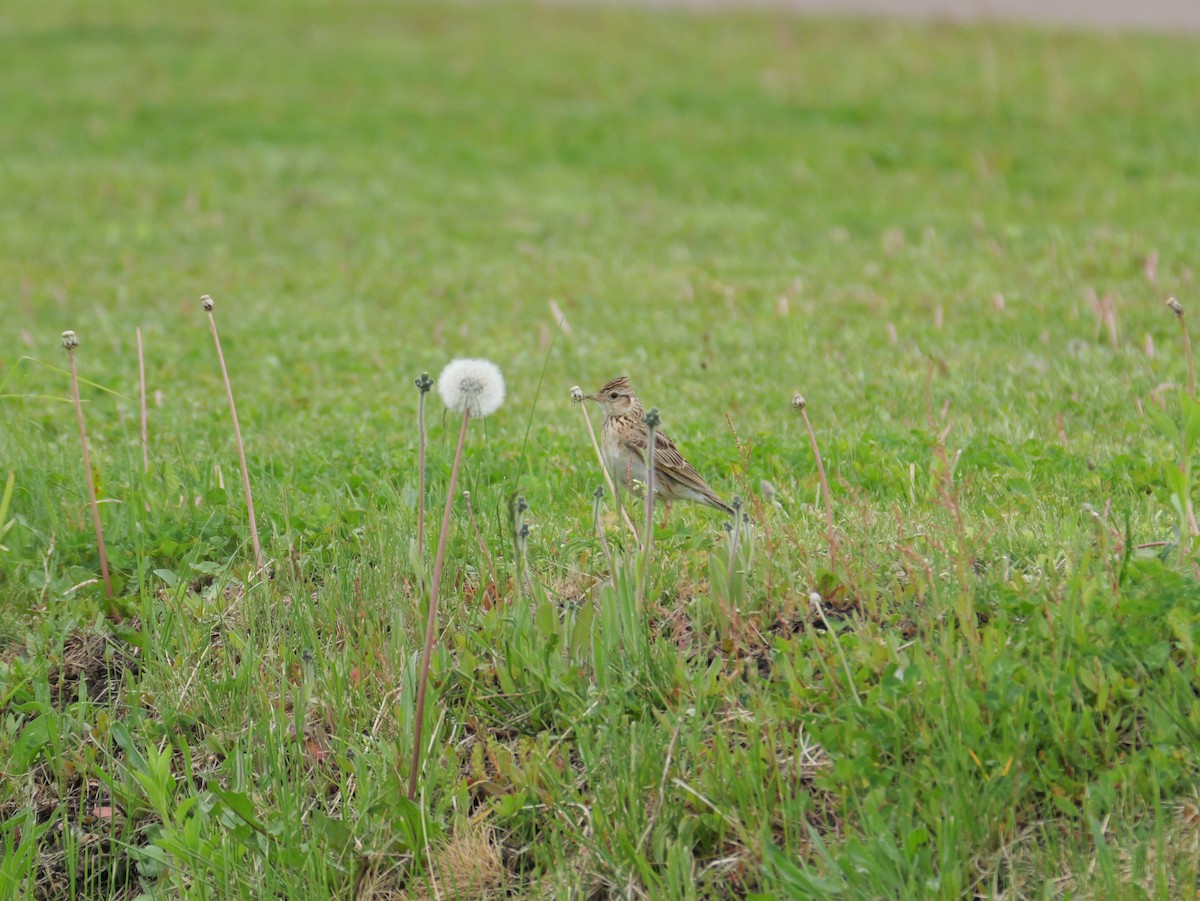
pixel 629 474
pixel 666 512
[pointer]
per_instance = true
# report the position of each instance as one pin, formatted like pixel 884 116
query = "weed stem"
pixel 604 469
pixel 652 420
pixel 70 342
pixel 431 621
pixel 424 382
pixel 1177 308
pixel 799 403
pixel 207 302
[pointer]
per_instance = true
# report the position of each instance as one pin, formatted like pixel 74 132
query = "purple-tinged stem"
pixel 431 621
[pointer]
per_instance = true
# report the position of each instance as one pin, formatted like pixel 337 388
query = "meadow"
pixel 955 242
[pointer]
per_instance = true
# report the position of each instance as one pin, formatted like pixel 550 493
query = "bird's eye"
pixel 614 395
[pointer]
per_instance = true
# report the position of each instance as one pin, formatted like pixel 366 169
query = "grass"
pixel 998 691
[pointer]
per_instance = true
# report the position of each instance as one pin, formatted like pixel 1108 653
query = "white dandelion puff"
pixel 474 387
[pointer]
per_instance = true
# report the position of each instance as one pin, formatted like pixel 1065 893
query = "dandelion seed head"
pixel 207 303
pixel 70 340
pixel 1174 306
pixel 576 394
pixel 474 387
pixel 798 402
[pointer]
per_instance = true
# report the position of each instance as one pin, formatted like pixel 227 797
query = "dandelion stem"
pixel 421 478
pixel 142 398
pixel 87 467
pixel 523 537
pixel 607 478
pixel 1177 308
pixel 652 421
pixel 431 621
pixel 237 434
pixel 831 533
pixel 734 534
pixel 424 383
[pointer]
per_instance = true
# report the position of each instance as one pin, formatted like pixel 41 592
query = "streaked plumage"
pixel 623 444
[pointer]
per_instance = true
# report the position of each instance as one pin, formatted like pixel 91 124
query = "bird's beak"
pixel 596 397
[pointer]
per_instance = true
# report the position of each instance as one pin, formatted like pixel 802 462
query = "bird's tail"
pixel 713 501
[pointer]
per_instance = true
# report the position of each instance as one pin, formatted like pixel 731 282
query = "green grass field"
pixel 955 242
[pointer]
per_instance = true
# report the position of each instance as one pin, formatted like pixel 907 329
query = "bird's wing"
pixel 669 463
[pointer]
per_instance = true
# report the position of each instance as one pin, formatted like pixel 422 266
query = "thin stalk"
pixel 431 621
pixel 142 399
pixel 70 342
pixel 831 533
pixel 652 420
pixel 237 434
pixel 424 383
pixel 736 529
pixel 604 469
pixel 523 538
pixel 734 534
pixel 421 479
pixel 1177 308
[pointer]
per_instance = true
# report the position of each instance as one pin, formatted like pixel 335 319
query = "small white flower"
pixel 475 387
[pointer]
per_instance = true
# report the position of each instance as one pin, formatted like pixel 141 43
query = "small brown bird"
pixel 623 444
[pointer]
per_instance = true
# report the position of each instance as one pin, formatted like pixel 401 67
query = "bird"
pixel 623 446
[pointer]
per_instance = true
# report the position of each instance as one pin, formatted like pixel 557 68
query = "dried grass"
pixel 468 867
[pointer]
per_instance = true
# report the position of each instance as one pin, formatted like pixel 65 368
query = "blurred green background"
pixel 920 227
